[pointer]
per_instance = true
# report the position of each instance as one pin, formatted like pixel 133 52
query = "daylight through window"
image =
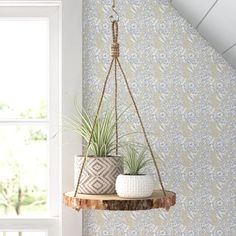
pixel 24 96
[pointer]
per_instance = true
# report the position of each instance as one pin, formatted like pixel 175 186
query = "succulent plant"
pixel 103 142
pixel 134 161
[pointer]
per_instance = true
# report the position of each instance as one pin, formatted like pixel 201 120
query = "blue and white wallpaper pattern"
pixel 187 96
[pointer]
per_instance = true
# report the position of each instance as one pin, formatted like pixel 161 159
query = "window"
pixel 29 120
pixel 24 116
pixel 23 233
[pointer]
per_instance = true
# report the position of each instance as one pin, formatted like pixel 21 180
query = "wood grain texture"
pixel 115 203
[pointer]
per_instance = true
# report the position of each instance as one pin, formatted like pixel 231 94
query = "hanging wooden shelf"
pixel 115 203
pixel 160 198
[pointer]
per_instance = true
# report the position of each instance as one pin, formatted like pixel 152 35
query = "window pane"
pixel 23 169
pixel 24 68
pixel 22 234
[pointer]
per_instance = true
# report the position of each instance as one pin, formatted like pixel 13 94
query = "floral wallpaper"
pixel 186 93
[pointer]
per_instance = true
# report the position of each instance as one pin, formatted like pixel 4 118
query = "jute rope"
pixel 116 108
pixel 115 54
pixel 94 123
pixel 142 126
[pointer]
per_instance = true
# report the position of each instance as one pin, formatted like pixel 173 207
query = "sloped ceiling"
pixel 215 20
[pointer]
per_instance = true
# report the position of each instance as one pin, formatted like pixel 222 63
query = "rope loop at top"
pixel 115 31
pixel 112 17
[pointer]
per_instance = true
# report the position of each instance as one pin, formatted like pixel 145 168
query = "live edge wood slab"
pixel 115 203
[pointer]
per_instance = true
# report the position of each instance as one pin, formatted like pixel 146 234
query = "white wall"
pixel 71 89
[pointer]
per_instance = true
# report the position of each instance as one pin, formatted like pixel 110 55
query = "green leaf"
pixel 134 161
pixel 103 138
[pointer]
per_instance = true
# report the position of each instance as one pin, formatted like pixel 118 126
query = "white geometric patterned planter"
pixel 99 175
pixel 134 186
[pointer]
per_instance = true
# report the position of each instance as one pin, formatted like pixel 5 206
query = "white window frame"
pixel 65 73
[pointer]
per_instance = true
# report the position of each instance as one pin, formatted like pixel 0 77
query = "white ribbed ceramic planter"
pixel 99 174
pixel 134 186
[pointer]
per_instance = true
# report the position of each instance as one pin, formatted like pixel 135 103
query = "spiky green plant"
pixel 103 139
pixel 134 161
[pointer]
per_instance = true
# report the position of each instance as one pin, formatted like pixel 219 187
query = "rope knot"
pixel 115 50
pixel 115 47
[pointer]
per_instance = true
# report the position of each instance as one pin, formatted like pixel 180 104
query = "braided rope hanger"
pixel 115 52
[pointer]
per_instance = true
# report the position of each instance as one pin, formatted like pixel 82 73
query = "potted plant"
pixel 102 166
pixel 134 183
